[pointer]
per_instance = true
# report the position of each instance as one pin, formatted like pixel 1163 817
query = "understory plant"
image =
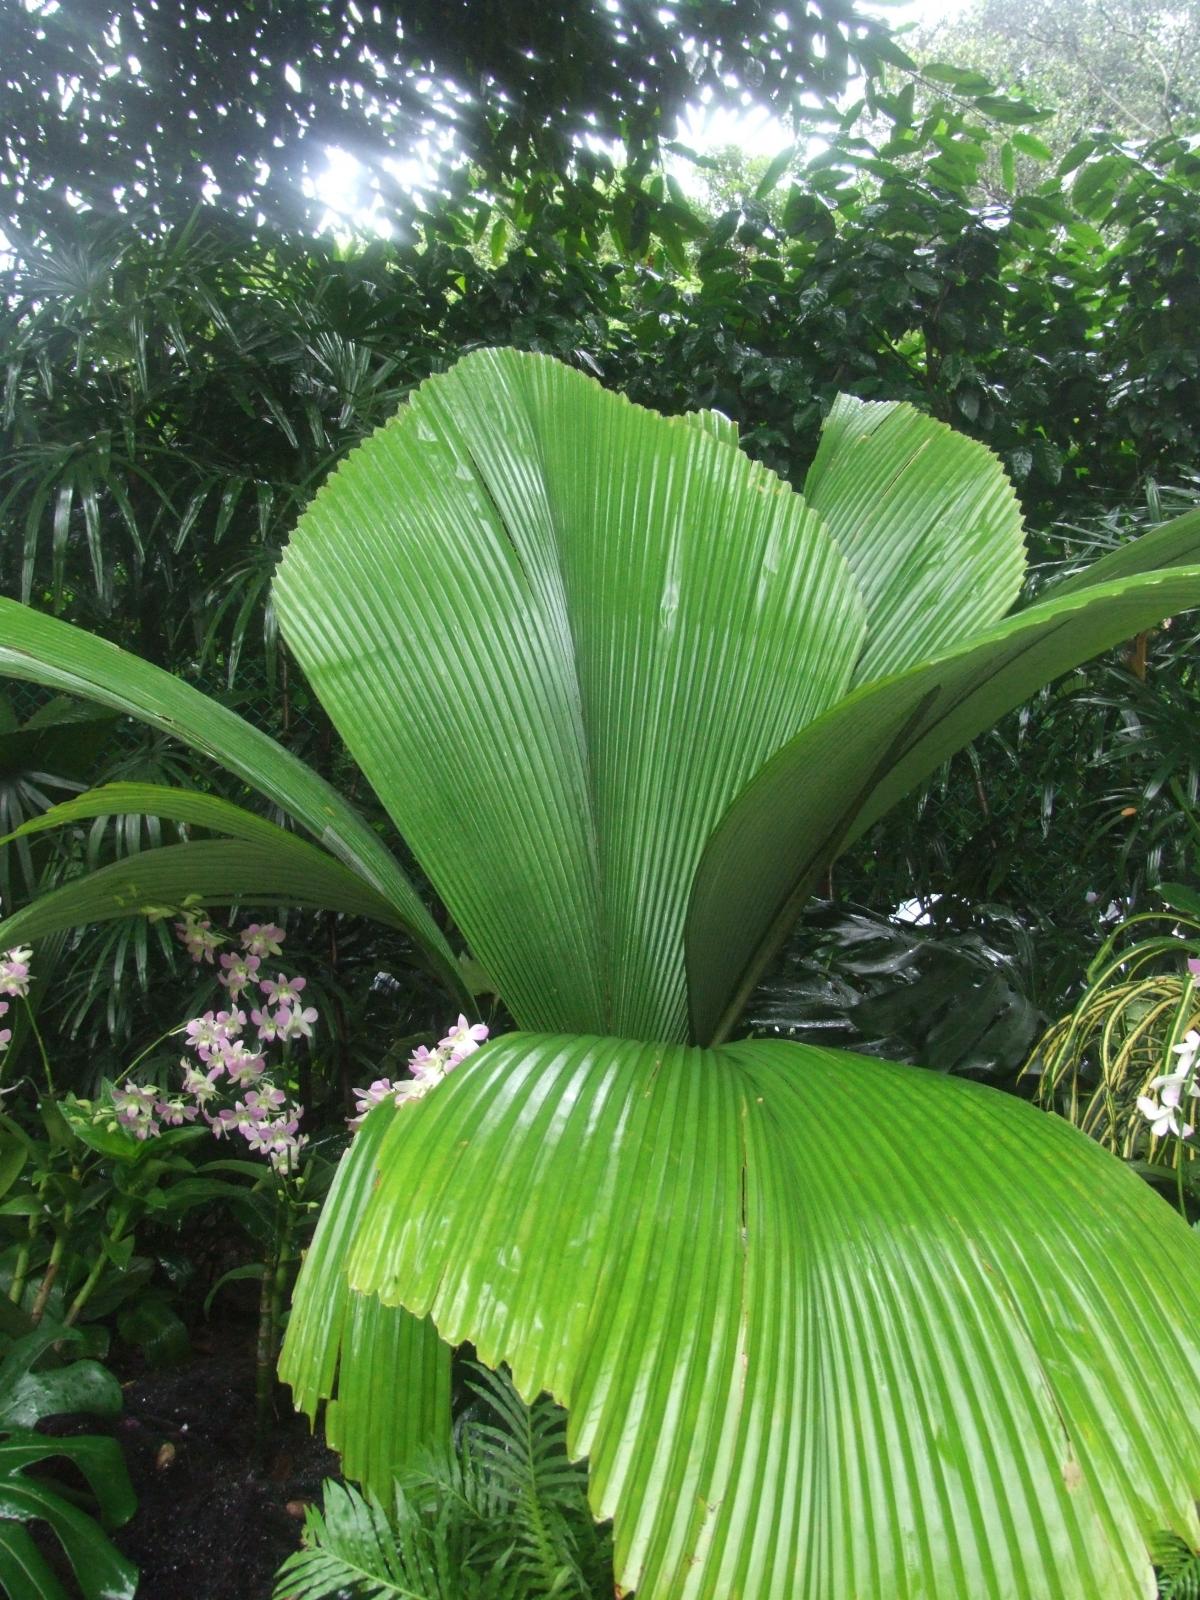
pixel 498 1512
pixel 1178 1570
pixel 954 998
pixel 1121 1065
pixel 82 1179
pixel 823 1325
pixel 29 1391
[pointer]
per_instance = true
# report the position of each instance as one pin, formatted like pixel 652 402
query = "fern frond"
pixel 352 1549
pixel 1178 1568
pixel 502 1514
pixel 525 1448
pixel 474 1508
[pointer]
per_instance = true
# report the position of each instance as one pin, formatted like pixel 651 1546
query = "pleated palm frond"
pixel 824 1327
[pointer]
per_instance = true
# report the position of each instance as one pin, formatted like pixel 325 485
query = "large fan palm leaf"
pixel 826 1327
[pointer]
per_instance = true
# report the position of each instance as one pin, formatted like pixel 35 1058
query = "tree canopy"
pixel 1121 65
pixel 166 97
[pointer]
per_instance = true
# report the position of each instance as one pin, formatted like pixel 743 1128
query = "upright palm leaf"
pixel 841 773
pixel 506 509
pixel 654 652
pixel 825 1327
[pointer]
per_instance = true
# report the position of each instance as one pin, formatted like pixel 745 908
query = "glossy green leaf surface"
pixel 384 1374
pixel 839 775
pixel 23 1569
pixel 928 522
pixel 158 800
pixel 559 633
pixel 101 1572
pixel 79 1386
pixel 213 872
pixel 824 1326
pixel 43 650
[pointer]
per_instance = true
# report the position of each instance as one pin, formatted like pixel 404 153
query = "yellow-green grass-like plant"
pixel 1139 1001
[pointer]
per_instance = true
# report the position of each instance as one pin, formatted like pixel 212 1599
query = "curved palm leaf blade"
pixel 928 522
pixel 806 1351
pixel 385 1374
pixel 559 633
pixel 839 775
pixel 209 872
pixel 1175 544
pixel 171 805
pixel 393 1392
pixel 714 422
pixel 44 650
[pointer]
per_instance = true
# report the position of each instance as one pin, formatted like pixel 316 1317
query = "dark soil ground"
pixel 211 1523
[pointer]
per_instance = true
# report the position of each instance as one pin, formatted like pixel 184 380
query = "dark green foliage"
pixel 171 401
pixel 502 1515
pixel 173 394
pixel 953 996
pixel 1178 1568
pixel 1019 322
pixel 37 1382
pixel 1081 802
pixel 257 91
pixel 42 760
pixel 33 1387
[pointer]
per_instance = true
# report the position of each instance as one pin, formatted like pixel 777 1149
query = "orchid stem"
pixel 87 1288
pixel 125 1071
pixel 57 1251
pixel 16 1289
pixel 41 1044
